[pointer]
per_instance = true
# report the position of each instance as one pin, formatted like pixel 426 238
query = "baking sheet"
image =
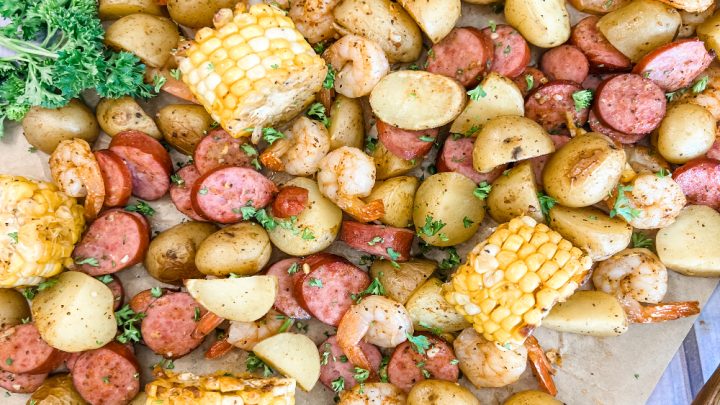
pixel 609 371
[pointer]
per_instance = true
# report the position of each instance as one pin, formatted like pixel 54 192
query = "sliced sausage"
pixel 464 55
pixel 149 163
pixel 593 81
pixel 405 143
pixel 116 176
pixel 406 365
pixel 325 291
pixel 512 52
pixel 549 104
pixel 630 103
pixel 565 62
pixel 109 375
pixel 602 56
pixel 598 126
pixel 456 156
pixel 117 239
pixel 379 240
pixel 700 181
pixel 538 162
pixel 118 292
pixel 21 383
pixel 290 201
pixel 217 149
pixel 168 323
pixel 285 300
pixel 675 65
pixel 530 78
pixel 219 194
pixel 22 351
pixel 337 364
pixel 714 152
pixel 180 191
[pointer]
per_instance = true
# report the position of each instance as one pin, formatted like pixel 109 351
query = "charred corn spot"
pixel 510 281
pixel 254 69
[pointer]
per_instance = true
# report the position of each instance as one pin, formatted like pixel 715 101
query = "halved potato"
pixel 592 313
pixel 114 9
pixel 691 244
pixel 429 310
pixel 515 194
pixel 149 37
pixel 591 230
pixel 435 17
pixel 397 195
pixel 121 114
pixel 532 398
pixel 544 23
pixel 243 299
pixel 709 32
pixel 417 100
pixel 293 355
pixel 347 127
pixel 440 392
pixel 401 282
pixel 76 313
pixel 13 308
pixel 502 97
pixel 389 165
pixel 509 139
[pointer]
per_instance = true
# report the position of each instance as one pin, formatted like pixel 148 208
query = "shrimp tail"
pixel 366 212
pixel 205 325
pixel 654 313
pixel 348 339
pixel 272 162
pixel 541 366
pixel 218 349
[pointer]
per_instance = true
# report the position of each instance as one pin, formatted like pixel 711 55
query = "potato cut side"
pixel 502 97
pixel 509 139
pixel 588 313
pixel 293 355
pixel 435 17
pixel 429 310
pixel 691 244
pixel 515 194
pixel 591 230
pixel 243 299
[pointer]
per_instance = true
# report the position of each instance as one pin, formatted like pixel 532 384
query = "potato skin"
pixel 120 114
pixel 686 132
pixel 440 392
pixel 347 127
pixel 57 390
pixel 46 128
pixel 591 230
pixel 183 125
pixel 435 17
pixel 691 244
pixel 428 306
pixel 196 13
pixel 592 313
pixel 150 38
pixel 114 9
pixel 243 249
pixel 171 255
pixel 543 23
pixel 584 171
pixel 515 194
pixel 709 32
pixel 397 195
pixel 388 165
pixel 532 398
pixel 447 197
pixel 509 138
pixel 401 282
pixel 13 308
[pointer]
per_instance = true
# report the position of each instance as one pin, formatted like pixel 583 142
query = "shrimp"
pixel 652 201
pixel 314 18
pixel 360 64
pixel 541 367
pixel 637 277
pixel 245 335
pixel 373 393
pixel 346 175
pixel 300 152
pixel 379 320
pixel 77 174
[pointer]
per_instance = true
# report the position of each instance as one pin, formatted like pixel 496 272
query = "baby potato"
pixel 445 211
pixel 149 37
pixel 114 9
pixel 592 313
pixel 196 13
pixel 45 128
pixel 13 308
pixel 243 249
pixel 709 32
pixel 691 244
pixel 384 22
pixel 57 390
pixel 435 17
pixel 400 282
pixel 515 194
pixel 508 139
pixel 591 230
pixel 440 392
pixel 347 127
pixel 429 310
pixel 397 195
pixel 121 114
pixel 687 131
pixel 293 355
pixel 388 165
pixel 183 125
pixel 584 171
pixel 532 398
pixel 170 257
pixel 543 23
pixel 691 20
pixel 502 97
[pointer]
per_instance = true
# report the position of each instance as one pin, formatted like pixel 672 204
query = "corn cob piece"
pixel 512 279
pixel 219 389
pixel 254 69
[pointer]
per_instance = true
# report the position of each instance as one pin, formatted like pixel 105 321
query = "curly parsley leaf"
pixel 546 204
pixel 420 342
pixel 253 363
pixel 482 190
pixel 141 207
pixel 128 322
pixel 317 111
pixel 622 205
pixel 640 240
pixel 582 99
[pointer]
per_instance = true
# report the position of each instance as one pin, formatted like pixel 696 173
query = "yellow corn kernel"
pixel 546 298
pixel 499 314
pixel 529 282
pixel 504 258
pixel 533 317
pixel 554 237
pixel 561 257
pixel 526 233
pixel 526 250
pixel 490 326
pixel 499 236
pixel 515 271
pixel 488 305
pixel 534 261
pixel 475 282
pixel 547 270
pixel 203 34
pixel 211 45
pixel 539 239
pixel 197 58
pixel 501 335
pixel 548 249
pixel 510 321
pixel 513 243
pixel 558 279
pixel 523 304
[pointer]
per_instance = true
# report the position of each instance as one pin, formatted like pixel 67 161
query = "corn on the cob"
pixel 219 388
pixel 39 227
pixel 254 69
pixel 512 279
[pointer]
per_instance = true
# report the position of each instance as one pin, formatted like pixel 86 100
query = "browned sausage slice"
pixel 714 152
pixel 408 367
pixel 118 292
pixel 379 240
pixel 217 149
pixel 285 300
pixel 220 193
pixel 22 351
pixel 603 57
pixel 117 239
pixel 21 383
pixel 109 375
pixel 181 188
pixel 549 104
pixel 565 62
pixel 598 126
pixel 700 181
pixel 149 163
pixel 464 54
pixel 630 103
pixel 338 366
pixel 168 323
pixel 456 156
pixel 675 65
pixel 290 201
pixel 405 143
pixel 116 176
pixel 325 292
pixel 512 52
pixel 141 301
pixel 530 79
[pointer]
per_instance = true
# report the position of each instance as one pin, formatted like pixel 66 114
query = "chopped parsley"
pixel 307 234
pixel 375 288
pixel 175 74
pixel 427 138
pixel 361 375
pixel 287 323
pixel 156 292
pixel 90 261
pixel 622 205
pixel 315 282
pixel 582 99
pixel 329 81
pixel 420 342
pixel 383 369
pixel 433 329
pixel 253 363
pixel 165 363
pixel 700 84
pixel 476 93
pixel 529 81
pixel 293 268
pixel 663 172
pixel 392 254
pixel 640 240
pixel 106 279
pixel 196 315
pixel 249 149
pixel 158 82
pixel 9 361
pixel 375 240
pixel 177 180
pixel 451 261
pixel 467 222
pixel 270 135
pixel 317 111
pixel 482 190
pixel 371 144
pixel 546 204
pixel 127 321
pixel 431 227
pixel 31 292
pixel 13 237
pixel 493 25
pixel 338 384
pixel 141 207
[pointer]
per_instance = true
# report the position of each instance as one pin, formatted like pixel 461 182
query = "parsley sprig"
pixel 622 205
pixel 375 288
pixel 128 322
pixel 253 363
pixel 317 111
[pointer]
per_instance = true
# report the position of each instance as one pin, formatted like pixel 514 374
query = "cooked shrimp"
pixel 376 393
pixel 653 313
pixel 206 324
pixel 643 159
pixel 314 18
pixel 486 364
pixel 77 173
pixel 300 152
pixel 541 367
pixel 655 201
pixel 245 335
pixel 346 175
pixel 379 320
pixel 360 64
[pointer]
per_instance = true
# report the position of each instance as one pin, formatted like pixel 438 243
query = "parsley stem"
pixel 25 47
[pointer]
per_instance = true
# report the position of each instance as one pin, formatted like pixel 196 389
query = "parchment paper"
pixel 610 371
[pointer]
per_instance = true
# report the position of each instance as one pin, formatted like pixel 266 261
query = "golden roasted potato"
pixel 709 32
pixel 293 355
pixel 242 299
pixel 591 230
pixel 544 23
pixel 397 194
pixel 502 97
pixel 387 165
pixel 45 128
pixel 196 13
pixel 686 132
pixel 170 257
pixel 592 313
pixel 243 249
pixel 691 20
pixel 13 308
pixel 347 127
pixel 184 125
pixel 114 9
pixel 429 310
pixel 149 37
pixel 400 282
pixel 435 17
pixel 515 194
pixel 691 244
pixel 440 392
pixel 120 114
pixel 598 6
pixel 532 398
pixel 508 139
pixel 57 390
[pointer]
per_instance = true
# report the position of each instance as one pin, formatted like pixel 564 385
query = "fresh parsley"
pixel 175 74
pixel 493 25
pixel 392 254
pixel 329 81
pixel 640 240
pixel 383 369
pixel 13 237
pixel 546 204
pixel 307 234
pixel 375 240
pixel 253 363
pixel 622 205
pixel 420 342
pixel 582 99
pixel 482 190
pixel 106 279
pixel 249 149
pixel 476 93
pixel 293 268
pixel 375 288
pixel 141 207
pixel 663 172
pixel 128 322
pixel 31 292
pixel 451 261
pixel 315 282
pixel 317 111
pixel 196 315
pixel 427 138
pixel 270 135
pixel 287 323
pixel 433 329
pixel 361 375
pixel 529 81
pixel 338 384
pixel 156 292
pixel 431 227
pixel 467 222
pixel 700 84
pixel 177 180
